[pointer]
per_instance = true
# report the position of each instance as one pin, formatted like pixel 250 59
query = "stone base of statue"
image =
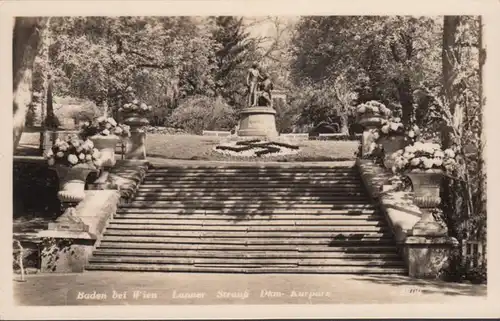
pixel 259 121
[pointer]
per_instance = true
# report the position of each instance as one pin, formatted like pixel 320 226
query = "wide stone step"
pixel 263 178
pixel 250 184
pixel 220 223
pixel 368 214
pixel 229 201
pixel 262 189
pixel 281 168
pixel 252 194
pixel 245 234
pixel 243 254
pixel 239 205
pixel 360 248
pixel 249 197
pixel 247 261
pixel 255 228
pixel 248 270
pixel 339 241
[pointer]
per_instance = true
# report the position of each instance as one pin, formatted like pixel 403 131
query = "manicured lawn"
pixel 193 147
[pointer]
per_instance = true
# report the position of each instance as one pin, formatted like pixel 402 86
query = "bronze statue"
pixel 265 88
pixel 253 78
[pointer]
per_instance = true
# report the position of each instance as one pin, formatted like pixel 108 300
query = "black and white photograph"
pixel 248 159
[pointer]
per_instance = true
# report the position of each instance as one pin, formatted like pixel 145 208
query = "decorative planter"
pixel 106 146
pixel 426 188
pixel 370 120
pixel 134 119
pixel 391 144
pixel 72 181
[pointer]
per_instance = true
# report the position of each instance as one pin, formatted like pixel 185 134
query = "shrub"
pixel 199 113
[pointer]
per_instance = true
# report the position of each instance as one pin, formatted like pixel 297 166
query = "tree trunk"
pixel 449 54
pixel 27 34
pixel 344 124
pixel 406 100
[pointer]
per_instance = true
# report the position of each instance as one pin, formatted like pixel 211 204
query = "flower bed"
pixel 256 148
pixel 104 126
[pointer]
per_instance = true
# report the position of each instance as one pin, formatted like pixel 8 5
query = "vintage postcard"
pixel 249 159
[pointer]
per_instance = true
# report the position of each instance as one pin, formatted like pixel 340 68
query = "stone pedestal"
pixel 136 144
pixel 426 257
pixel 367 139
pixel 258 122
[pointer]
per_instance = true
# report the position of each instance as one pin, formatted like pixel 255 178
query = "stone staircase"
pixel 249 219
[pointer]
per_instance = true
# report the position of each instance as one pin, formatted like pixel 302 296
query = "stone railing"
pixel 68 242
pixel 425 254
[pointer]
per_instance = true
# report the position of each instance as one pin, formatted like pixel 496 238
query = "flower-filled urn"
pixel 73 160
pixel 371 113
pixel 105 133
pixel 134 111
pixel 425 165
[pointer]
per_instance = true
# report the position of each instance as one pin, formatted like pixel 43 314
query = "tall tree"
pixel 232 55
pixel 27 34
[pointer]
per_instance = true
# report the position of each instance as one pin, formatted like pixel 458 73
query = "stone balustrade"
pixel 424 255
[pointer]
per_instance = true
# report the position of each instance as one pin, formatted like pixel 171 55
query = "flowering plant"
pixel 133 105
pixel 394 126
pixel 421 157
pixel 373 108
pixel 104 126
pixel 73 151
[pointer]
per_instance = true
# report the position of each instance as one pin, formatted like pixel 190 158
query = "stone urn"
pixel 135 119
pixel 426 189
pixel 391 144
pixel 106 146
pixel 72 181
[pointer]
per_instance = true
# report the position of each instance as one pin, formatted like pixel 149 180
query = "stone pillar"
pixel 136 144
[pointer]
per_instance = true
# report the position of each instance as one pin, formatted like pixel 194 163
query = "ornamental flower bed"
pixel 373 108
pixel 424 157
pixel 73 151
pixel 104 126
pixel 394 127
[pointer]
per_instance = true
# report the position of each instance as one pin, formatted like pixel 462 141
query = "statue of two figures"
pixel 259 87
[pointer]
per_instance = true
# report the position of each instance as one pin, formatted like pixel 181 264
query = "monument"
pixel 258 119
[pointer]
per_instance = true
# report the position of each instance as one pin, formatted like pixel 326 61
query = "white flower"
pixel 72 159
pixel 50 154
pixel 418 145
pixel 375 109
pixel 362 109
pixel 438 162
pixel 118 130
pixel 101 119
pixel 81 156
pixel 51 161
pixel 410 149
pixel 435 146
pixel 385 129
pixel 135 102
pixel 105 132
pixel 63 147
pixel 58 142
pixel 127 105
pixel 411 134
pixel 397 120
pixel 449 153
pixel 428 162
pixel 415 161
pixel 438 154
pixel 394 126
pixel 112 121
pixel 75 143
pixel 89 143
pixel 88 157
pixel 376 135
pixel 60 154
